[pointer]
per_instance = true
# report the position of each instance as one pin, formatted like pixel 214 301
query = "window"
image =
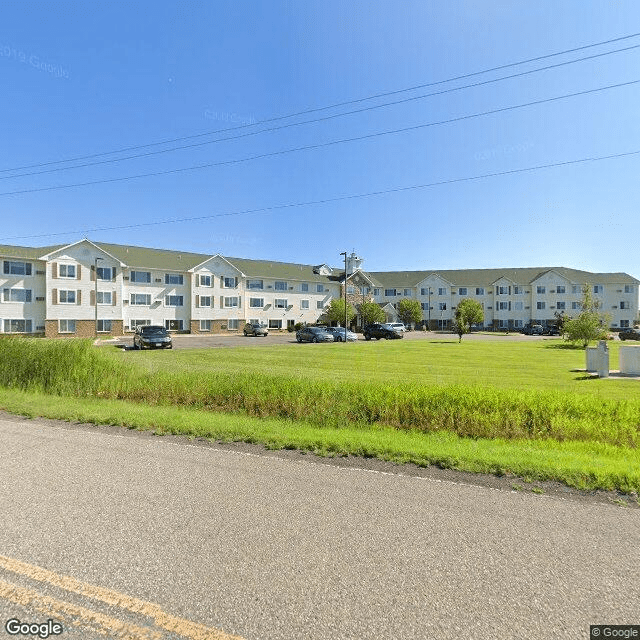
pixel 104 326
pixel 173 301
pixel 503 291
pixel 280 303
pixel 205 301
pixel 304 304
pixel 106 273
pixel 376 292
pixel 424 291
pixel 517 290
pixel 281 286
pixel 462 291
pixel 17 268
pixel 205 325
pixel 406 293
pixel 624 324
pixel 205 281
pixel 319 304
pixel 66 326
pixel 628 288
pixel 540 289
pixel 17 326
pixel 597 288
pixel 16 295
pixel 518 306
pixel 256 302
pixel 174 325
pixel 504 324
pixel 255 284
pixel 351 289
pixel 140 276
pixel 67 271
pixel 576 289
pixel 560 289
pixel 503 306
pixel 424 306
pixel 66 297
pixel 624 305
pixel 560 305
pixel 304 287
pixel 442 291
pixel 389 292
pixel 576 305
pixel 231 302
pixel 142 299
pixel 275 324
pixel 229 283
pixel 366 290
pixel 173 278
pixel 479 291
pixel 134 323
pixel 232 323
pixel 320 288
pixel 518 324
pixel 442 306
pixel 103 297
pixel 540 305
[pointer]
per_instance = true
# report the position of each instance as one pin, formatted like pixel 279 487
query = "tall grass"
pixel 75 368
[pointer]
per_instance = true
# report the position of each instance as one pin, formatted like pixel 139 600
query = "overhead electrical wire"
pixel 369 194
pixel 322 144
pixel 338 104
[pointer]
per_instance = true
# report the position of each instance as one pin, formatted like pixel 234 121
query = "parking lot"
pixel 221 341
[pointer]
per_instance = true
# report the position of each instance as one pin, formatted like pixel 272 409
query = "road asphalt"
pixel 118 534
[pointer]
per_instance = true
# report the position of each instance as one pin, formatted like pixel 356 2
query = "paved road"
pixel 178 539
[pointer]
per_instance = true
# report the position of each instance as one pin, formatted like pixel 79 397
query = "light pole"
pixel 95 292
pixel 344 253
pixel 429 325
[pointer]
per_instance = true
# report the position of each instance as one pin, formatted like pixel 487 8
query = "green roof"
pixel 149 258
pixel 486 277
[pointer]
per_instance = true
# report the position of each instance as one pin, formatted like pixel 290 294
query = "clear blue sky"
pixel 81 78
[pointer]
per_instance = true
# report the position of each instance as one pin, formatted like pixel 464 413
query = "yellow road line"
pixel 181 626
pixel 84 618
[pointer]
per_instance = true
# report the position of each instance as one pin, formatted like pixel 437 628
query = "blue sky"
pixel 83 78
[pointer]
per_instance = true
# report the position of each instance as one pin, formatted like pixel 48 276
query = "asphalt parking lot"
pixel 221 341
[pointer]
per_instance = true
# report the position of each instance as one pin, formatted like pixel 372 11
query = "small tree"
pixel 561 320
pixel 371 312
pixel 468 312
pixel 590 324
pixel 409 311
pixel 335 312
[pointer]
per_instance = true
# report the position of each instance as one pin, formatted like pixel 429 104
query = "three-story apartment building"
pixel 86 287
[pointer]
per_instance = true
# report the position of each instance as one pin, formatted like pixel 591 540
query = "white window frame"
pixel 389 293
pixel 28 325
pixel 101 323
pixel 133 277
pixel 541 289
pixel 67 271
pixel 275 323
pixel 10 268
pixel 541 305
pixel 256 285
pixel 15 293
pixel 304 304
pixel 205 301
pixel 229 282
pixel 66 323
pixel 104 294
pixel 561 305
pixel 104 273
pixel 66 293
pixel 205 280
pixel 231 302
pixel 135 296
pixel 598 288
pixel 176 321
pixel 233 324
pixel 176 279
pixel 280 285
pixel 280 303
pixel 173 300
pixel 561 288
pixel 135 323
pixel 304 287
pixel 205 325
pixel 442 291
pixel 319 288
pixel 256 303
pixel 479 291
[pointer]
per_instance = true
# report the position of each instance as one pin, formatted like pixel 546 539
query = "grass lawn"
pixel 492 406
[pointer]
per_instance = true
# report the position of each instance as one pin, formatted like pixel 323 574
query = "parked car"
pixel 338 334
pixel 533 330
pixel 629 334
pixel 378 330
pixel 151 336
pixel 255 329
pixel 551 330
pixel 313 334
pixel 398 326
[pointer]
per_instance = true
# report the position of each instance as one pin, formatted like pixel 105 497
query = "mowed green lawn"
pixel 532 365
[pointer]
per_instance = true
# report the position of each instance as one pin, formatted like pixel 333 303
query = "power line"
pixel 345 103
pixel 319 145
pixel 308 203
pixel 323 119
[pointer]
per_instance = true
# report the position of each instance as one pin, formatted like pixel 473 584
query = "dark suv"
pixel 533 330
pixel 378 330
pixel 629 334
pixel 151 336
